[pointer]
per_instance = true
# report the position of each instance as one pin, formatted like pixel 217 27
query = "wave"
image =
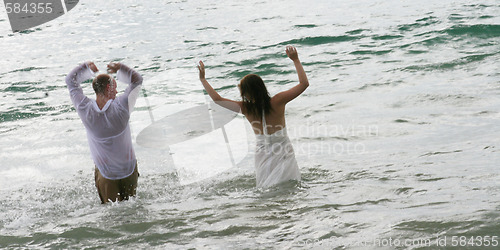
pixel 423 22
pixel 483 31
pixel 455 33
pixel 386 37
pixel 24 87
pixel 318 40
pixel 27 69
pixel 16 115
pixel 32 111
pixel 306 26
pixel 207 28
pixel 371 52
pixel 450 64
pixel 440 153
pixel 152 68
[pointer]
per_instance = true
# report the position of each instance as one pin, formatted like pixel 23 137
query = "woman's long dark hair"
pixel 255 96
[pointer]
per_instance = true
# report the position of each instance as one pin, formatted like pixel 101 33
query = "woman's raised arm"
pixel 288 95
pixel 224 102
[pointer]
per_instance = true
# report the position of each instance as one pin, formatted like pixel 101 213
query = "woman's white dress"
pixel 274 158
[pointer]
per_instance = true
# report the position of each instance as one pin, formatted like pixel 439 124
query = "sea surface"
pixel 397 137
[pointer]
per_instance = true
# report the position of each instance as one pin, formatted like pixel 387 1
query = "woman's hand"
pixel 291 52
pixel 201 69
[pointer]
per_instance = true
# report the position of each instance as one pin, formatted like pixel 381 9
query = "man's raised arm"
pixel 126 74
pixel 73 80
pixel 130 77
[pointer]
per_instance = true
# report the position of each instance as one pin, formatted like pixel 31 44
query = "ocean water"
pixel 397 137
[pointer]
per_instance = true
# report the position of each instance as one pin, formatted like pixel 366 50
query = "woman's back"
pixel 275 119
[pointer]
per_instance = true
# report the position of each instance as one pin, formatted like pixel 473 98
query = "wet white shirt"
pixel 108 130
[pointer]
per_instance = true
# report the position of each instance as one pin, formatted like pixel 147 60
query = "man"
pixel 106 120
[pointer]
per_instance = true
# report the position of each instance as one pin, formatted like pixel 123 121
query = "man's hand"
pixel 113 67
pixel 92 66
pixel 291 52
pixel 201 69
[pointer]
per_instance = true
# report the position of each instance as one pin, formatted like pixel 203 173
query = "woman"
pixel 274 157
